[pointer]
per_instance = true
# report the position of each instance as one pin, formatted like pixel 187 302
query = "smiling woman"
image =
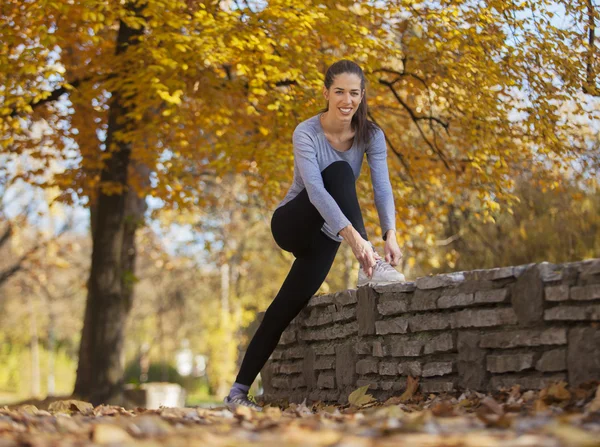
pixel 321 209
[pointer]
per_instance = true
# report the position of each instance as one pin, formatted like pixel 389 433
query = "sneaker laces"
pixel 384 266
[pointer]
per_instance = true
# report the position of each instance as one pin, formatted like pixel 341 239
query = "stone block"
pixel 378 350
pixel 373 384
pixel 345 314
pixel 277 354
pixel 550 272
pixel 483 318
pixel 367 366
pixel 345 298
pixel 405 348
pixel 293 352
pixel 491 296
pixel 318 317
pixel 345 361
pixel 490 274
pixel 528 297
pixel 326 380
pixel 366 311
pixel 267 373
pixel 552 361
pixel 396 385
pixel 392 307
pixel 291 368
pixel 526 382
pixel 436 369
pixel 470 361
pixel 325 362
pixel 557 293
pixel 571 313
pixel 589 269
pixel 437 281
pixel 412 369
pixel 459 300
pixel 394 326
pixel 288 337
pixel 388 368
pixel 323 395
pixel 583 355
pixel 324 349
pixel 520 269
pixel 320 300
pixel 308 368
pixel 424 300
pixel 429 322
pixel 440 343
pixel 585 293
pixel 524 337
pixel 395 287
pixel 437 386
pixel 363 347
pixel 509 362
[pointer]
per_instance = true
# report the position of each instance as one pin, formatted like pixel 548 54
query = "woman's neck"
pixel 333 126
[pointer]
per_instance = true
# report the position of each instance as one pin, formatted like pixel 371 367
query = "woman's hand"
pixel 362 249
pixel 393 254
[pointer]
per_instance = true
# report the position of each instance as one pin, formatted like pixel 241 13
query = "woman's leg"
pixel 297 228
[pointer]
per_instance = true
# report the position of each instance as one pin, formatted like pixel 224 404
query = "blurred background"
pixel 145 144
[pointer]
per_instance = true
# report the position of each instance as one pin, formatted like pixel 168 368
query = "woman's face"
pixel 344 96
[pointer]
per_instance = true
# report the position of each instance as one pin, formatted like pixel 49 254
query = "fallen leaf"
pixel 71 406
pixel 358 397
pixel 573 436
pixel 411 387
pixel 558 392
pixel 594 405
pixel 110 434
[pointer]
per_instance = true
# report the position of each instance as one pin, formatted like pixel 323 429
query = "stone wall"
pixel 480 330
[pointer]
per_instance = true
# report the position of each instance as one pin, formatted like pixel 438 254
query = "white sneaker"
pixel 383 273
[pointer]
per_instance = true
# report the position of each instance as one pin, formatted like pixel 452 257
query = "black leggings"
pixel 296 228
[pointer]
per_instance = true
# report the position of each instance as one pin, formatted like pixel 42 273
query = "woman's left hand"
pixel 393 254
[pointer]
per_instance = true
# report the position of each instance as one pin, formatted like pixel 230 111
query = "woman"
pixel 321 209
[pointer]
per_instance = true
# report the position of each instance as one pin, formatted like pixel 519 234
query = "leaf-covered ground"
pixel 554 416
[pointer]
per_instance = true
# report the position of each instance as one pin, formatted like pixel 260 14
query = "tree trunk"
pixel 110 285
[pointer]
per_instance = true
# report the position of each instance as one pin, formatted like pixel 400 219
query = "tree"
pixel 154 98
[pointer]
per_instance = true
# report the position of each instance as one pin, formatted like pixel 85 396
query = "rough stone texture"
pixel 291 368
pixel 327 349
pixel 388 368
pixel 557 293
pixel 345 314
pixel 436 369
pixel 322 395
pixel 428 322
pixel 440 343
pixel 325 363
pixel 412 369
pixel 528 297
pixel 584 293
pixel 320 300
pixel 326 380
pixel 345 361
pixel 367 366
pixel 406 348
pixel 396 287
pixel 435 282
pixel 363 347
pixel 490 274
pixel 345 298
pixel 329 333
pixel 462 299
pixel 373 384
pixel 470 361
pixel 526 382
pixel 491 296
pixel 550 272
pixel 394 326
pixel 483 318
pixel 551 361
pixel 524 337
pixel 378 350
pixel 288 337
pixel 583 354
pixel 318 318
pixel 366 311
pixel 509 362
pixel 392 307
pixel 590 268
pixel 437 387
pixel 396 385
pixel 308 368
pixel 424 300
pixel 567 313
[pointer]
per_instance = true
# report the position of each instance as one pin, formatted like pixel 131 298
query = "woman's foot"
pixel 241 400
pixel 383 273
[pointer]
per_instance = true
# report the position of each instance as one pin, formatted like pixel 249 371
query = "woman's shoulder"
pixel 310 125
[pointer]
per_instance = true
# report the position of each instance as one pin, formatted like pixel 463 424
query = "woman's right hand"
pixel 362 249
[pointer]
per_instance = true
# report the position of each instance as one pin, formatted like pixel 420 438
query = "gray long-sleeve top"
pixel 313 153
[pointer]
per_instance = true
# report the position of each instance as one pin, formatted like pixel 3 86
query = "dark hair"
pixel 360 121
